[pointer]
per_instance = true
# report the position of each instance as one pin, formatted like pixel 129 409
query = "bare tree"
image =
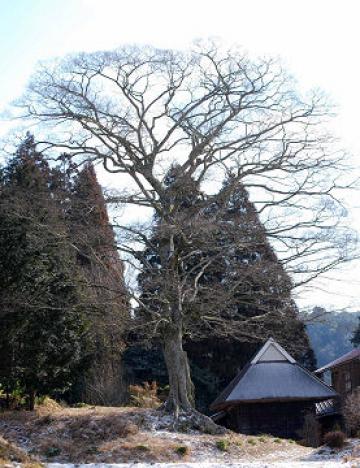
pixel 214 112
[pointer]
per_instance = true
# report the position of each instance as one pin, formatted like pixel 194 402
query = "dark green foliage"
pixel 222 445
pixel 231 241
pixel 182 450
pixel 98 259
pixel 355 340
pixel 52 452
pixel 44 342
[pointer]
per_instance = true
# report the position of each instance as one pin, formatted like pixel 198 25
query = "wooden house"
pixel 345 372
pixel 271 395
pixel 344 375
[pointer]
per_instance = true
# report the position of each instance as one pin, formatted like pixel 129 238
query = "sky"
pixel 318 42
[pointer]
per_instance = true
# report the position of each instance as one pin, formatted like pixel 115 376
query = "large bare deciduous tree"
pixel 214 113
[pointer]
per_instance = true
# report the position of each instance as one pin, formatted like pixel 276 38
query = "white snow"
pixel 290 464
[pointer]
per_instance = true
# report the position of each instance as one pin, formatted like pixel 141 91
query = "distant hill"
pixel 330 335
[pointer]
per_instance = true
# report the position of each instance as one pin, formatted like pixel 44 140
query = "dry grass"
pixel 116 435
pixel 10 453
pixel 145 395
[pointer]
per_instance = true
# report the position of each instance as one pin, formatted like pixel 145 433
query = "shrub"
pixel 352 412
pixel 222 445
pixel 80 405
pixel 52 451
pixel 142 448
pixel 335 439
pixel 182 450
pixel 145 396
pixel 277 441
pixel 252 441
pixel 45 420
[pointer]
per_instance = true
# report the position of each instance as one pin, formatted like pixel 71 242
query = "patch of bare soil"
pixel 124 435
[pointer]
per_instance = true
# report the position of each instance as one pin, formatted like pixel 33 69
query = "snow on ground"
pixel 100 437
pixel 324 457
pixel 290 464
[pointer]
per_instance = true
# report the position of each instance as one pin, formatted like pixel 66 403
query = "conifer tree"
pixel 245 282
pixel 44 340
pixel 101 265
pixel 355 340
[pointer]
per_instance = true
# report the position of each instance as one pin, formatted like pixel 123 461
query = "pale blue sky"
pixel 318 41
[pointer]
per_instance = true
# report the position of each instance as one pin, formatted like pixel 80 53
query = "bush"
pixel 80 404
pixel 335 439
pixel 182 450
pixel 142 448
pixel 145 396
pixel 222 445
pixel 352 412
pixel 52 451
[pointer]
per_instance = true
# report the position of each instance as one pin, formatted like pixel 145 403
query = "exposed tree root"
pixel 190 420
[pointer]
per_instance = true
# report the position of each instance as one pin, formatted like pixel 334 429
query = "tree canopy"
pixel 43 340
pixel 216 113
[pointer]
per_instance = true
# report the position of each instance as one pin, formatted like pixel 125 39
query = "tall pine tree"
pixel 44 342
pixel 101 265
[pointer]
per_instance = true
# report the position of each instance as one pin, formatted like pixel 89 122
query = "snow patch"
pixel 290 464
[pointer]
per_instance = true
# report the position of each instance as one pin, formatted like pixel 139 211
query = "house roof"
pixel 273 375
pixel 354 354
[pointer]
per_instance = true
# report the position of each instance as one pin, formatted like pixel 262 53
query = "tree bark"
pixel 31 400
pixel 181 393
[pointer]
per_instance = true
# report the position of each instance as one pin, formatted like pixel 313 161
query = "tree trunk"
pixel 31 400
pixel 181 393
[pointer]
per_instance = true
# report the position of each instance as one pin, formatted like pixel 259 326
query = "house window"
pixel 347 381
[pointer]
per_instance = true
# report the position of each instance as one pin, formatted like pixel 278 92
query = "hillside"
pixel 133 435
pixel 330 335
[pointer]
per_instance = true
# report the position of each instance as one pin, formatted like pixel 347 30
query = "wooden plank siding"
pixel 285 419
pixel 346 377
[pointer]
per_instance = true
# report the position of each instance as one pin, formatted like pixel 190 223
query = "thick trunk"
pixel 180 401
pixel 181 392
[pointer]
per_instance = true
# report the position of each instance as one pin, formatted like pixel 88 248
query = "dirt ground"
pixel 53 434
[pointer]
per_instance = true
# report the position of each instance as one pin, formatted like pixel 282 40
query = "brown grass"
pixel 145 395
pixel 115 435
pixel 10 453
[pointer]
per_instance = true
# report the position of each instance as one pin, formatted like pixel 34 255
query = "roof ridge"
pixel 352 354
pixel 319 390
pixel 278 347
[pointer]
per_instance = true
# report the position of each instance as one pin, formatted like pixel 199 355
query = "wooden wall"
pixel 281 419
pixel 346 377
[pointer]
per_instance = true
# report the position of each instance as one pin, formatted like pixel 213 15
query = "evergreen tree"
pixel 234 246
pixel 101 265
pixel 355 340
pixel 44 341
